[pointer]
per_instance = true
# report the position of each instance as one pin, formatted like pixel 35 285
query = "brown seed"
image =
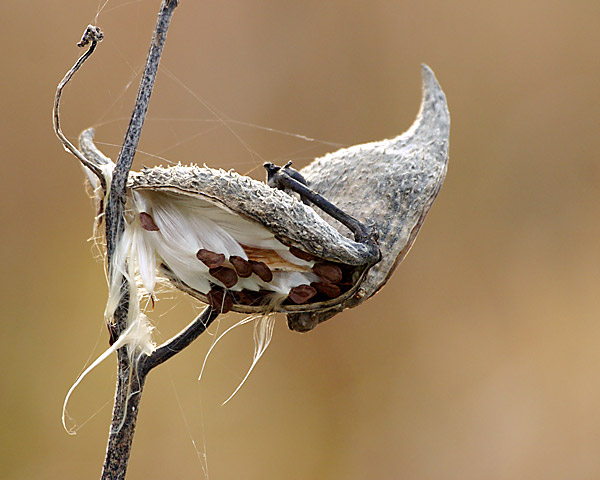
pixel 226 276
pixel 302 293
pixel 220 300
pixel 261 269
pixel 296 252
pixel 326 288
pixel 242 267
pixel 328 271
pixel 210 259
pixel 148 222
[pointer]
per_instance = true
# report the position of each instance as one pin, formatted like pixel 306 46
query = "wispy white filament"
pixel 263 333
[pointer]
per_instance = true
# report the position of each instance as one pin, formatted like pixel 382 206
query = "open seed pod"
pixel 239 244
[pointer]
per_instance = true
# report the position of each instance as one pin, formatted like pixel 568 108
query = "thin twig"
pixel 91 36
pixel 177 343
pixel 130 382
pixel 116 198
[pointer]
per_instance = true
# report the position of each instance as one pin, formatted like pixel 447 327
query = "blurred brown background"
pixel 479 359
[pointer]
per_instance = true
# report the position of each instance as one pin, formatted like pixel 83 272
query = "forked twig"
pixel 130 383
pixel 131 373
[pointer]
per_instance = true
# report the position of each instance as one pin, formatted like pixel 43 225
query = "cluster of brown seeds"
pixel 241 267
pixel 334 278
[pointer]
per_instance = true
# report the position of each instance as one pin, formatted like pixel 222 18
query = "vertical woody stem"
pixel 130 381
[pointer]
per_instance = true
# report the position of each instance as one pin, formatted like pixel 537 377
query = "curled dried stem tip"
pixel 92 34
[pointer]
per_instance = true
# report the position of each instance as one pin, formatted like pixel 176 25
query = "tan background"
pixel 481 357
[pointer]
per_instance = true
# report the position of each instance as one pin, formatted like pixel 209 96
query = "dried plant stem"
pixel 130 377
pixel 130 383
pixel 91 36
pixel 116 198
pixel 131 373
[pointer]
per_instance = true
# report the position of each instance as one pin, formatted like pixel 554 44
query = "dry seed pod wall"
pixel 239 244
pixel 389 185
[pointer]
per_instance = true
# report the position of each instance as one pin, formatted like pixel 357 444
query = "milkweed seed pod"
pixel 239 244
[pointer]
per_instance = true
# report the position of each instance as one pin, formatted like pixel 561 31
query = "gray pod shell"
pixel 389 185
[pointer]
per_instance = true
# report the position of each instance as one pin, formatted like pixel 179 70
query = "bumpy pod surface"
pixel 389 185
